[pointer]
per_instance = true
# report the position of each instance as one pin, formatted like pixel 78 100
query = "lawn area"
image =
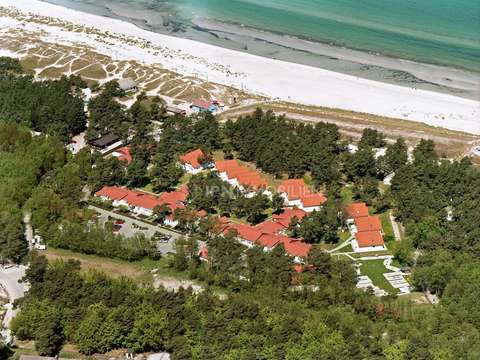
pixel 375 269
pixel 371 253
pixel 137 270
pixel 387 227
pixel 347 195
pixel 344 235
pixel 346 249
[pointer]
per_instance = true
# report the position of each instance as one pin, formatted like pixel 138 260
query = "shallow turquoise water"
pixel 435 31
pixel 445 32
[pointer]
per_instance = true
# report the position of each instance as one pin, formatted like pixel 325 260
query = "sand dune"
pixel 258 75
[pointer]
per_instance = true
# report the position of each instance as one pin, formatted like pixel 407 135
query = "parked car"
pixel 119 222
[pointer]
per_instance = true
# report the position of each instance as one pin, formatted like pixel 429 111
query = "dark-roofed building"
pixel 104 141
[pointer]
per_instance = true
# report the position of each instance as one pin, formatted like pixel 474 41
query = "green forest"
pixel 254 304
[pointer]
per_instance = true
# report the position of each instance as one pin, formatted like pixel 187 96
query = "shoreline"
pixel 274 79
pixel 446 79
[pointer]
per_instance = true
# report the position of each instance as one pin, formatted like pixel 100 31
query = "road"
pixel 395 227
pixel 9 281
pixel 28 229
pixel 129 230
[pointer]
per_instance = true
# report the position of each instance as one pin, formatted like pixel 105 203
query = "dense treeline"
pixel 438 201
pixel 280 147
pixel 269 312
pixel 53 107
pixel 101 241
pixel 212 194
pixel 24 162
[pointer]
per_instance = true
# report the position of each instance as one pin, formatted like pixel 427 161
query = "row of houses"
pixel 141 203
pixel 366 229
pixel 268 234
pixel 294 191
pixel 242 177
pixel 297 193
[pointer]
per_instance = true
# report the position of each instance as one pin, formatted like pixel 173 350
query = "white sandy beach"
pixel 272 78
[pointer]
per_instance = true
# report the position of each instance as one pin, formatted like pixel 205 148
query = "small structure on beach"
pixel 201 106
pixel 176 111
pixel 127 84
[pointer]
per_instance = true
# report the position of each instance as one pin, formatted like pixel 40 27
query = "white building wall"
pixel 191 170
pixel 359 249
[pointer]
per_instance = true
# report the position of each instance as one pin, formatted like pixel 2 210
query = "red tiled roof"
pixel 269 240
pixel 270 227
pixel 124 154
pixel 192 158
pixel 112 192
pixel 368 223
pixel 296 189
pixel 295 247
pixel 142 200
pixel 369 238
pixel 201 103
pixel 287 215
pixel 245 176
pixel 313 200
pixel 223 165
pixel 356 210
pixel 245 232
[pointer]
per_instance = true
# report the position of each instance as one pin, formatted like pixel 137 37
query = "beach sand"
pixel 274 79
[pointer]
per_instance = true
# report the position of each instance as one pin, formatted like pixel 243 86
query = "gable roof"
pixel 112 192
pixel 192 158
pixel 123 154
pixel 224 165
pixel 355 210
pixel 368 223
pixel 202 104
pixel 269 240
pixel 298 248
pixel 296 189
pixel 105 140
pixel 369 238
pixel 141 200
pixel 316 199
pixel 287 215
pixel 270 227
pixel 245 176
pixel 246 232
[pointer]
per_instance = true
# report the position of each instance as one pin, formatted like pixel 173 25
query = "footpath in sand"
pixel 259 76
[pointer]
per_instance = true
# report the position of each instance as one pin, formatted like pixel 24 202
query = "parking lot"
pixel 128 227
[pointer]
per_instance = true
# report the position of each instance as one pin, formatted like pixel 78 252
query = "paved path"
pixel 9 280
pixel 342 245
pixel 395 227
pixel 129 230
pixel 28 229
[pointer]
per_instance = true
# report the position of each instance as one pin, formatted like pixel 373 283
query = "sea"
pixel 331 34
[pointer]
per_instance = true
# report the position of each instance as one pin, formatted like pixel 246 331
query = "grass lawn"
pixel 344 235
pixel 185 179
pixel 147 188
pixel 387 227
pixel 137 270
pixel 375 269
pixel 345 249
pixel 347 195
pixel 371 253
